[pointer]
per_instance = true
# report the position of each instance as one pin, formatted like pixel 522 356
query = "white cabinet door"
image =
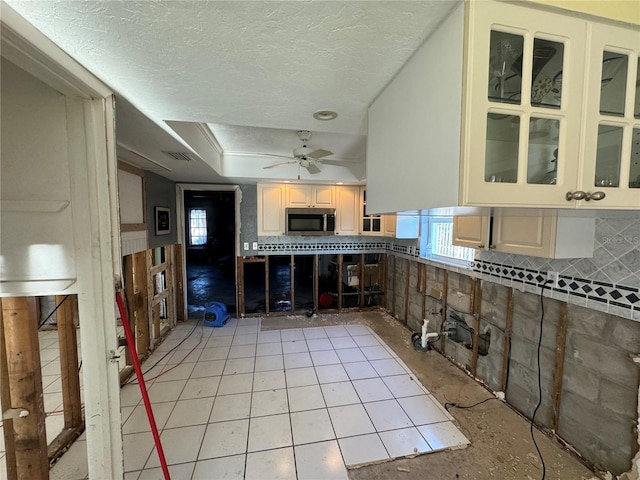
pixel 539 233
pixel 389 225
pixel 612 119
pixel 470 231
pixel 524 101
pixel 315 196
pixel 348 210
pixel 298 196
pixel 270 210
pixel 323 196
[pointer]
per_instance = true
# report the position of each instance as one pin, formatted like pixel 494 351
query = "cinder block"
pixel 619 399
pixel 527 317
pixel 494 303
pixel 580 381
pixel 606 439
pixel 612 363
pixel 624 333
pixel 588 322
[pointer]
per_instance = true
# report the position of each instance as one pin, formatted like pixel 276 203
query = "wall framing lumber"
pixel 21 347
pixel 393 286
pixel 266 286
pixel 561 343
pixel 506 351
pixel 445 292
pixel 292 265
pixel 406 292
pixel 240 277
pixel 361 282
pixel 476 307
pixel 140 302
pixel 316 281
pixel 68 342
pixel 5 401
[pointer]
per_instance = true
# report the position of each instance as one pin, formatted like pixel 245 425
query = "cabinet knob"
pixel 492 247
pixel 480 246
pixel 595 196
pixel 577 195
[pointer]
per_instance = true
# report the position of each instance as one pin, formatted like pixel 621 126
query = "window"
pixel 197 227
pixel 436 234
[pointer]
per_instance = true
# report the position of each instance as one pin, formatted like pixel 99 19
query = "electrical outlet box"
pixel 254 245
pixel 246 245
pixel 552 279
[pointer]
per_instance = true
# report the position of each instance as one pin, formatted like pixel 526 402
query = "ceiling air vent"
pixel 182 156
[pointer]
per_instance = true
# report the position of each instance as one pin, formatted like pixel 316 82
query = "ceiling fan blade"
pixel 280 164
pixel 312 168
pixel 319 153
pixel 338 163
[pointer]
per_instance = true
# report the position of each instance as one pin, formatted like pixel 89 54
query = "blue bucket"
pixel 215 314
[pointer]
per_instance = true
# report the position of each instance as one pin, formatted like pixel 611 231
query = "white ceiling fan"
pixel 308 157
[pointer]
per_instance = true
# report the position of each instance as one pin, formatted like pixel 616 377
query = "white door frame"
pixel 94 203
pixel 182 236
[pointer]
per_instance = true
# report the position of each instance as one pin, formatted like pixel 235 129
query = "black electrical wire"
pixel 52 312
pixel 533 417
pixel 168 352
pixel 455 405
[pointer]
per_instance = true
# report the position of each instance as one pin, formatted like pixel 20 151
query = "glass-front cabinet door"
pixel 612 120
pixel 524 86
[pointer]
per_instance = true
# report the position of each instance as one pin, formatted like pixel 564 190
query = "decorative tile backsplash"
pixel 279 245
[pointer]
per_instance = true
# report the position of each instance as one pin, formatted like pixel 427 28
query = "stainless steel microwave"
pixel 310 221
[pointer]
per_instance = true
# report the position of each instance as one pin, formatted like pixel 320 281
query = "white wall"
pixel 36 229
pixel 413 143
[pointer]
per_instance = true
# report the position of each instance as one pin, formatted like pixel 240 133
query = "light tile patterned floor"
pixel 287 404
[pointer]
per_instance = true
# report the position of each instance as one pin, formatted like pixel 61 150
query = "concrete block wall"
pixel 598 411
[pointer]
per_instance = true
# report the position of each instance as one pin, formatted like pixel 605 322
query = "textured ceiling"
pixel 239 65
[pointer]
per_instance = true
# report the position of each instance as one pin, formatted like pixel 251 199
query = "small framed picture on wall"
pixel 163 221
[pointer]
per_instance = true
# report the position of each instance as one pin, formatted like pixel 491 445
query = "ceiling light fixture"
pixel 325 115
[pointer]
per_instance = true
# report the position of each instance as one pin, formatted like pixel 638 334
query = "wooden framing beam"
pixel 141 302
pixel 292 282
pixel 69 362
pixel 129 294
pixel 339 282
pixel 240 276
pixel 506 351
pixel 393 285
pixel 445 293
pixel 561 343
pixel 316 281
pixel 361 281
pixel 406 293
pixel 385 280
pixel 5 402
pixel 179 277
pixel 476 307
pixel 266 286
pixel 20 329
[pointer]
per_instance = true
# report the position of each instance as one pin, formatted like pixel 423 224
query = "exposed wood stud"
pixel 266 285
pixel 406 292
pixel 339 281
pixel 422 287
pixel 316 281
pixel 476 307
pixel 179 269
pixel 292 282
pixel 445 292
pixel 240 277
pixel 141 302
pixel 506 351
pixel 561 343
pixel 385 280
pixel 393 286
pixel 361 281
pixel 20 327
pixel 129 293
pixel 5 399
pixel 69 362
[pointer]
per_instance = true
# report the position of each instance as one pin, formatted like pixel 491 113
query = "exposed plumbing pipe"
pixel 421 342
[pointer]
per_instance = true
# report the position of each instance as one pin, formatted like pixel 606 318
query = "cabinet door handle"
pixel 577 195
pixel 492 247
pixel 480 246
pixel 595 196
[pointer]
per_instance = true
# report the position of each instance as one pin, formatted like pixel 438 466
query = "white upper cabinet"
pixel 270 209
pixel 315 196
pixel 612 118
pixel 510 104
pixel 471 231
pixel 347 210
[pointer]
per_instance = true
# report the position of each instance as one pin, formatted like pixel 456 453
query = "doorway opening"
pixel 210 240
